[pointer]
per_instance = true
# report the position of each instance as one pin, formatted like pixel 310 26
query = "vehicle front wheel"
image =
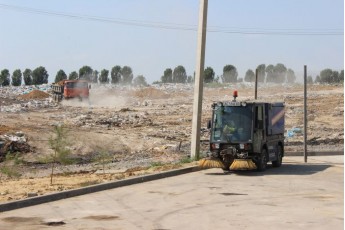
pixel 227 161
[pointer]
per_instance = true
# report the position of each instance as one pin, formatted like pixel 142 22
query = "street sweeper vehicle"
pixel 245 135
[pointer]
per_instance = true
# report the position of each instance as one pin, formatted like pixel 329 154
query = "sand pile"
pixel 35 94
pixel 60 82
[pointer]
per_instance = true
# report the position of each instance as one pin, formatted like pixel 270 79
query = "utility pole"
pixel 256 84
pixel 305 115
pixel 199 79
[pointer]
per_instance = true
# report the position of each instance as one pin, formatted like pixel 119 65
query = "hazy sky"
pixel 152 35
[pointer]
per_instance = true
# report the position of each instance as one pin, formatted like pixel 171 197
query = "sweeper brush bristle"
pixel 210 163
pixel 242 164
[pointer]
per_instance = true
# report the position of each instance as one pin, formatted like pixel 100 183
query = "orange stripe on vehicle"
pixel 277 117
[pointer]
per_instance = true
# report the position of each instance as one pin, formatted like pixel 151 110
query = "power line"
pixel 175 26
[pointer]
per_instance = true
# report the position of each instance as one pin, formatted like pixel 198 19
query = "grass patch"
pixel 157 164
pixel 10 166
pixel 186 160
pixel 88 183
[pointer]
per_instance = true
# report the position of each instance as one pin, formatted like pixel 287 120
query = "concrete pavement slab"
pixel 297 195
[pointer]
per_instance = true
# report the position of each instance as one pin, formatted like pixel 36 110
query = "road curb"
pixel 329 153
pixel 93 188
pixel 116 184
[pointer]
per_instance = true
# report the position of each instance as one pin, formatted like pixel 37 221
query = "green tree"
pixel 309 80
pixel 261 72
pixel 290 76
pixel 217 79
pixel 229 74
pixel 341 76
pixel 104 157
pixel 127 74
pixel 270 73
pixel 335 77
pixel 116 74
pixel 73 76
pixel 139 81
pixel 179 75
pixel 317 79
pixel 39 76
pixel 103 78
pixel 279 73
pixel 94 77
pixel 209 75
pixel 60 75
pixel 17 77
pixel 59 144
pixel 10 166
pixel 5 77
pixel 250 76
pixel 326 76
pixel 27 75
pixel 167 76
pixel 85 73
pixel 190 79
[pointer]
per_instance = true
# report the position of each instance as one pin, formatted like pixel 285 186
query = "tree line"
pixel 36 77
pixel 124 75
pixel 271 73
pixel 118 75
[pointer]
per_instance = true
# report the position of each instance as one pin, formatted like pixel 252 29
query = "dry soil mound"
pixel 35 94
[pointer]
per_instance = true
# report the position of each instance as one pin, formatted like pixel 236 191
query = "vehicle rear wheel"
pixel 278 162
pixel 262 161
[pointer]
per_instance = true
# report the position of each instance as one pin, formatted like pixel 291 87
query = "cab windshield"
pixel 232 124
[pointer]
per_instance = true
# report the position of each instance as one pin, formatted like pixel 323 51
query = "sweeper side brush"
pixel 207 163
pixel 242 164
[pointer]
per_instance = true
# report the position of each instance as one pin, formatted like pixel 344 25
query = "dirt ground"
pixel 141 130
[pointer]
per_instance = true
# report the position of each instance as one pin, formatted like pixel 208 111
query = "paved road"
pixel 295 196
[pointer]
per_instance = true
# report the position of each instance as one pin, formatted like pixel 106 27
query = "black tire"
pixel 262 161
pixel 227 161
pixel 278 162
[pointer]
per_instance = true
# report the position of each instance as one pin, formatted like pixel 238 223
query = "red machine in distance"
pixel 67 89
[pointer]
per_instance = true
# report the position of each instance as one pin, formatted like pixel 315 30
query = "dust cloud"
pixel 99 98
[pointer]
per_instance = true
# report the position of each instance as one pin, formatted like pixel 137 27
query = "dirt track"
pixel 143 128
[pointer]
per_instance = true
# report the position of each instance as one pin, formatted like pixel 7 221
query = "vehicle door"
pixel 259 131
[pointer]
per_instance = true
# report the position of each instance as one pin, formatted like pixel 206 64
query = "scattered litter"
pixel 292 132
pixel 13 143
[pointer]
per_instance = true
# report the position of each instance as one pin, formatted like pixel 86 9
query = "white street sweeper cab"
pixel 247 135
